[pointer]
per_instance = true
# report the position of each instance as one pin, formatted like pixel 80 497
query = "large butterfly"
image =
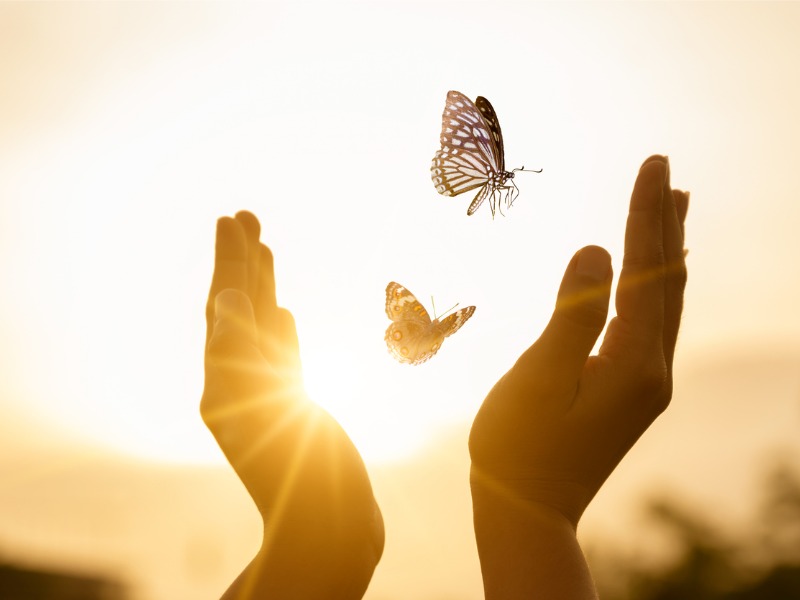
pixel 412 337
pixel 472 153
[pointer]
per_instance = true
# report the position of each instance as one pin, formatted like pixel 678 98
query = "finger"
pixel 266 304
pixel 252 229
pixel 556 359
pixel 290 356
pixel 674 215
pixel 682 206
pixel 230 265
pixel 640 293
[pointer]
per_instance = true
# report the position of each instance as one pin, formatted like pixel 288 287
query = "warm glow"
pixel 137 175
pixel 127 129
pixel 380 432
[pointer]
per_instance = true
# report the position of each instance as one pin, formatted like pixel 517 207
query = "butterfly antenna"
pixel 445 312
pixel 449 309
pixel 526 170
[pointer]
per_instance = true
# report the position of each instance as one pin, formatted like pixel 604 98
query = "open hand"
pixel 558 422
pixel 323 531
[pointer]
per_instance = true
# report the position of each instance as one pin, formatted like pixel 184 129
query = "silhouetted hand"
pixel 558 422
pixel 323 531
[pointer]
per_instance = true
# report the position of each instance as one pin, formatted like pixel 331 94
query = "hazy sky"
pixel 127 129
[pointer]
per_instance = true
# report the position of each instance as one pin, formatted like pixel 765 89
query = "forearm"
pixel 323 530
pixel 304 565
pixel 527 551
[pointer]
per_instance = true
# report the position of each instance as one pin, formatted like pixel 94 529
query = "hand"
pixel 559 421
pixel 323 531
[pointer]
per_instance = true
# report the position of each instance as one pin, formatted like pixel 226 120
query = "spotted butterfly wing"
pixel 412 338
pixel 471 155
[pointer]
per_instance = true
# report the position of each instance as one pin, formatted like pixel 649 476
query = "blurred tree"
pixel 763 565
pixel 25 583
pixel 780 511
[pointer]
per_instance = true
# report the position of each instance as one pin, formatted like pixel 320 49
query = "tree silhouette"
pixel 763 564
pixel 29 583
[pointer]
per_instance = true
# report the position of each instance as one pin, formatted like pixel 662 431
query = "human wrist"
pixel 300 559
pixel 527 549
pixel 563 495
pixel 499 508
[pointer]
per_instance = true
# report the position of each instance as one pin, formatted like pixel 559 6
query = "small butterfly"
pixel 472 153
pixel 412 337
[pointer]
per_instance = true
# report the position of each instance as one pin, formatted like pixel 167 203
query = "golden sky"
pixel 126 129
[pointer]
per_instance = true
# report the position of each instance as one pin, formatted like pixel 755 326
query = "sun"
pixel 360 405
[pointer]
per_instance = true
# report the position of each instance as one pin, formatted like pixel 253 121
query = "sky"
pixel 127 129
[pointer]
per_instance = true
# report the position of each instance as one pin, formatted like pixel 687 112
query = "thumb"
pixel 234 324
pixel 556 359
pixel 233 362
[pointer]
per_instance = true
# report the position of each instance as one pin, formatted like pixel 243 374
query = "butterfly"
pixel 412 337
pixel 472 153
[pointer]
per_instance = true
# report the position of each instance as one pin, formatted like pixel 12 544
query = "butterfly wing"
pixel 452 323
pixel 411 330
pixel 412 338
pixel 468 157
pixel 493 123
pixel 479 198
pixel 402 305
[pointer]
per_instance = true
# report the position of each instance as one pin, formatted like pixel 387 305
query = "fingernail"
pixel 655 158
pixel 593 264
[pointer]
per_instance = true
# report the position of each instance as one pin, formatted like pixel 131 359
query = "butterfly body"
pixel 472 154
pixel 412 337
